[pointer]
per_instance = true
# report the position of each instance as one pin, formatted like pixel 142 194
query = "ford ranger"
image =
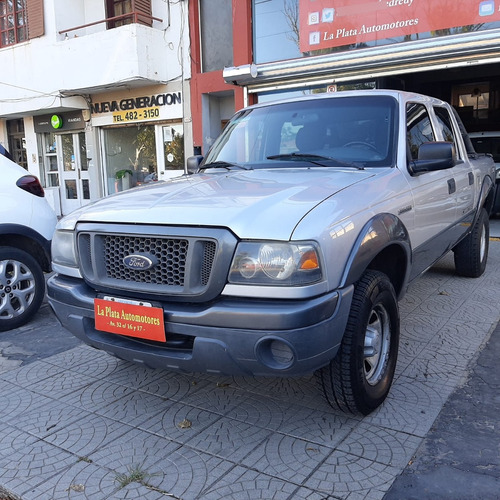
pixel 285 250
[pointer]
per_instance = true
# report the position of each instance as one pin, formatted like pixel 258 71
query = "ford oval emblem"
pixel 139 262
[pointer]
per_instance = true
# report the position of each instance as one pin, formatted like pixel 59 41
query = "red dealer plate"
pixel 129 318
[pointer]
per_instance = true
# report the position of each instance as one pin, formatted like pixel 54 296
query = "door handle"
pixel 452 187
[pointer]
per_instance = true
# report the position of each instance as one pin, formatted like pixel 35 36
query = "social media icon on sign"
pixel 313 18
pixel 487 8
pixel 314 38
pixel 328 15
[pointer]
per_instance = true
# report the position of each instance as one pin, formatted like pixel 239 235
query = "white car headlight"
pixel 271 263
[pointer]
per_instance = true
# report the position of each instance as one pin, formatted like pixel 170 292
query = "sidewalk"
pixel 76 423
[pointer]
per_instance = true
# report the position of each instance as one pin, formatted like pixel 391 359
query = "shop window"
pixel 17 142
pixel 128 12
pixel 473 103
pixel 173 147
pixel 130 157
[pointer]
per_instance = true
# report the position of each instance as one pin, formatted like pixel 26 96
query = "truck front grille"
pixel 171 255
pixel 183 264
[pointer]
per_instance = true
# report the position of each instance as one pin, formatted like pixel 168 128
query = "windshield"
pixel 351 131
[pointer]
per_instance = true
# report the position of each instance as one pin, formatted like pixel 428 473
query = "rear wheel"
pixel 358 379
pixel 22 287
pixel 471 253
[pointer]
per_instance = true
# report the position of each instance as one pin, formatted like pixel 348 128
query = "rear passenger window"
pixel 418 128
pixel 446 126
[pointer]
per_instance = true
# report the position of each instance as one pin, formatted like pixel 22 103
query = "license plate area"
pixel 129 317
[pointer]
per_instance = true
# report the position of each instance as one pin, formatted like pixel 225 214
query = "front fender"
pixel 382 244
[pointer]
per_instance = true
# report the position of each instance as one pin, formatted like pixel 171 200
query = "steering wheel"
pixel 367 145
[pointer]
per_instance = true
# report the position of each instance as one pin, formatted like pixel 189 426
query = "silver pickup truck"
pixel 285 250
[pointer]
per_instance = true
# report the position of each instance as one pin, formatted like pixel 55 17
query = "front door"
pixel 74 171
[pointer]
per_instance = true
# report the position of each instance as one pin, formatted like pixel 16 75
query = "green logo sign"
pixel 56 121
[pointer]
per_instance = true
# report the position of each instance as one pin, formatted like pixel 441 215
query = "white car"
pixel 489 142
pixel 27 224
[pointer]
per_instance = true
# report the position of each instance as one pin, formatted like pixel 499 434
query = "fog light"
pixel 276 353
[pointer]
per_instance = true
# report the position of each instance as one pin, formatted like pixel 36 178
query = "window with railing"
pixel 13 22
pixel 120 12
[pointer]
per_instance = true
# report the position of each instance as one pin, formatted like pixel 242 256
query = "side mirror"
pixel 193 164
pixel 433 156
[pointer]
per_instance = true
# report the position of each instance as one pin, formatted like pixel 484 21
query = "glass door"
pixel 74 171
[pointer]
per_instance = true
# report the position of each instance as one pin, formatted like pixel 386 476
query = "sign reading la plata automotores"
pixel 133 109
pixel 327 23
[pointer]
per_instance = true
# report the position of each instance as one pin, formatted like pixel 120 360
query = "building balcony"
pixel 42 73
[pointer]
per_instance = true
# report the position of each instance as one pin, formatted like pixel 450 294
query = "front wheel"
pixel 22 287
pixel 471 253
pixel 358 379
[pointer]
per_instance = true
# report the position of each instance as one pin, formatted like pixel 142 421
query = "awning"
pixel 466 49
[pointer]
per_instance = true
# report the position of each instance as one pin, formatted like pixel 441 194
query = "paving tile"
pixel 326 429
pixel 342 475
pixel 135 375
pixel 229 439
pixel 214 398
pixel 97 395
pixel 421 328
pixel 13 439
pixel 24 376
pixel 183 473
pixel 87 434
pixel 27 468
pixel 381 445
pixel 19 401
pixel 88 361
pixel 40 420
pixel 261 411
pixel 82 480
pixel 61 384
pixel 402 416
pixel 179 422
pixel 244 484
pixel 173 386
pixel 134 407
pixel 273 457
pixel 297 391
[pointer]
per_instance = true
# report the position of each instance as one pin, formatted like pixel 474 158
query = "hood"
pixel 255 204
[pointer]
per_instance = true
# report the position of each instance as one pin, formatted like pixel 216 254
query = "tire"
pixel 22 287
pixel 358 379
pixel 471 254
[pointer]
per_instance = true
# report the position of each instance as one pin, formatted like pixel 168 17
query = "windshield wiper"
pixel 316 160
pixel 224 164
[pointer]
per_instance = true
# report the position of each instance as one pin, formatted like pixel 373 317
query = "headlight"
pixel 64 249
pixel 269 263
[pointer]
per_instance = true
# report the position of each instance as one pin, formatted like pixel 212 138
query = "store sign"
pixel 60 122
pixel 327 23
pixel 133 109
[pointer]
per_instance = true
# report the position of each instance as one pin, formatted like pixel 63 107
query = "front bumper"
pixel 231 336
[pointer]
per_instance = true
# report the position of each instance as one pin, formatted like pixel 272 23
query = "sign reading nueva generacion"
pixel 333 23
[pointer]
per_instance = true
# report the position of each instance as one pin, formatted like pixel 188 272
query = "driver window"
pixel 418 128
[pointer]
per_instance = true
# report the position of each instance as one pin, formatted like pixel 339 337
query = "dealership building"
pixel 98 96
